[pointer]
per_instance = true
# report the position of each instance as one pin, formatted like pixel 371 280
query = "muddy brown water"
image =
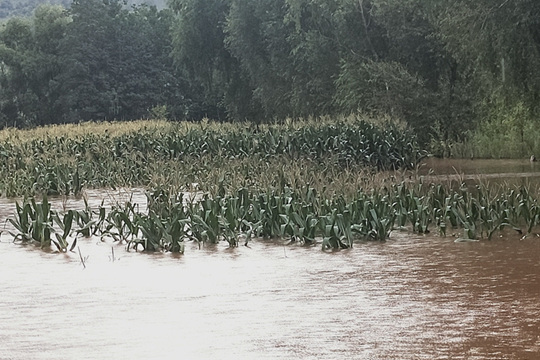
pixel 411 297
pixel 507 171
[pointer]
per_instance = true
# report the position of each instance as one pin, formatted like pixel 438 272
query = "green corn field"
pixel 63 161
pixel 299 215
pixel 320 183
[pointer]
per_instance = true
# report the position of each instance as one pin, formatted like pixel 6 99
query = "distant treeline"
pixel 10 8
pixel 441 66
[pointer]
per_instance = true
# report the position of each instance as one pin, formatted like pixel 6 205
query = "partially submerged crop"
pixel 303 216
pixel 64 161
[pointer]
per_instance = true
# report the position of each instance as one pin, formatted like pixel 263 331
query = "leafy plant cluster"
pixel 301 215
pixel 37 223
pixel 65 164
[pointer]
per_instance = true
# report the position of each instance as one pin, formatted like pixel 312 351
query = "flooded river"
pixel 511 171
pixel 411 297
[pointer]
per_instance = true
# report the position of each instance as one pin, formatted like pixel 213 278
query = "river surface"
pixel 411 297
pixel 507 171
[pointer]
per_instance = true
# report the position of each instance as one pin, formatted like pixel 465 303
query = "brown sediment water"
pixel 506 172
pixel 411 297
pixel 478 166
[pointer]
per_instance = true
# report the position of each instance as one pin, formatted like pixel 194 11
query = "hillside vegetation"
pixel 24 8
pixel 450 70
pixel 10 8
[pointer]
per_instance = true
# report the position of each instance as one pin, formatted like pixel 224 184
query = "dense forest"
pixel 443 67
pixel 10 8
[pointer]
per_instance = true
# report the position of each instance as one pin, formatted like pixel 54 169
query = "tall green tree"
pixel 257 37
pixel 208 65
pixel 199 49
pixel 315 54
pixel 496 45
pixel 497 42
pixel 30 67
pixel 147 77
pixel 118 63
pixel 401 67
pixel 290 51
pixel 93 56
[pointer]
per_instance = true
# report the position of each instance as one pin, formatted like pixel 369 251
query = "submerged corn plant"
pixel 152 230
pixel 304 216
pixel 65 224
pixel 121 224
pixel 34 223
pixel 90 221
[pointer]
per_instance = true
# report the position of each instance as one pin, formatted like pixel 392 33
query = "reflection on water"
pixel 412 297
pixel 409 298
pixel 478 166
pixel 457 171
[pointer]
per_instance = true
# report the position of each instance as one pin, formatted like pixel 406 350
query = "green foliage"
pixel 509 131
pixel 285 213
pixel 288 52
pixel 97 60
pixel 117 61
pixel 442 67
pixel 383 88
pixel 64 165
pixel 90 221
pixel 65 223
pixel 121 224
pixel 31 65
pixel 159 112
pixel 496 48
pixel 198 48
pixel 23 8
pixel 34 223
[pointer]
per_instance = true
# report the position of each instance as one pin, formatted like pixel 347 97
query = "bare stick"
pixel 82 260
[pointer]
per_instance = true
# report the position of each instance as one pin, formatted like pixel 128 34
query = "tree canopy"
pixel 440 66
